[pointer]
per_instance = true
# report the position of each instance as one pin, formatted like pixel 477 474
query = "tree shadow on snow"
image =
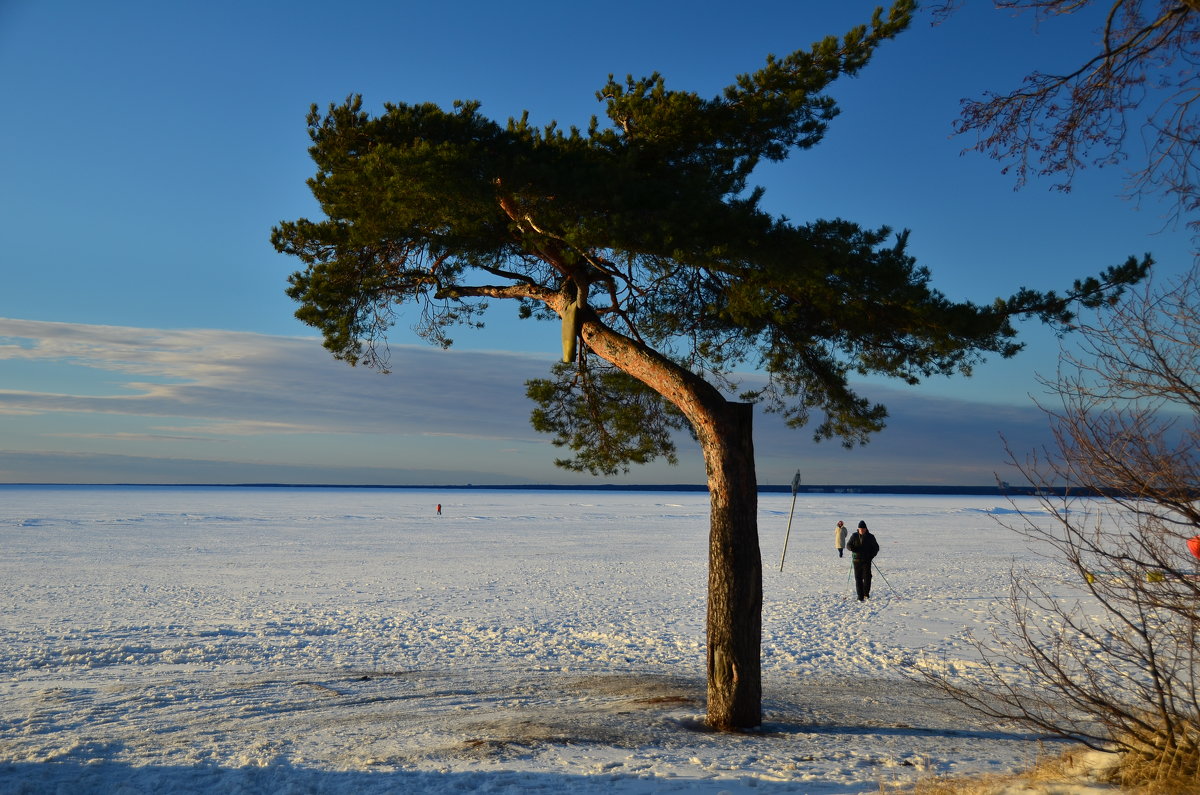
pixel 30 778
pixel 501 731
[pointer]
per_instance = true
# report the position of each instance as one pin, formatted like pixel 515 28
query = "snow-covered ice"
pixel 166 639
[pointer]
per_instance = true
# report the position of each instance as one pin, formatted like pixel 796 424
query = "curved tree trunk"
pixel 734 573
pixel 734 624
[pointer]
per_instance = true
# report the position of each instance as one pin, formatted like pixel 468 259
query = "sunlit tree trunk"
pixel 734 625
pixel 724 428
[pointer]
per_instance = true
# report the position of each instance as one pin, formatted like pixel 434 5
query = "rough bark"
pixel 724 428
pixel 734 575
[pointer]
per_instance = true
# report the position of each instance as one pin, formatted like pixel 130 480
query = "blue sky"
pixel 149 148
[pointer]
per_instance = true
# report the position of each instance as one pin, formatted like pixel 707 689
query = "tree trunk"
pixel 734 574
pixel 734 562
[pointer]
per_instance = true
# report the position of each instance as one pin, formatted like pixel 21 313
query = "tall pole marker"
pixel 795 488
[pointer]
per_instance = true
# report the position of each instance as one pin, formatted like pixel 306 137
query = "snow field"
pixel 350 640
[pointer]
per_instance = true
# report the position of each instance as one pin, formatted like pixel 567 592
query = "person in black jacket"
pixel 863 549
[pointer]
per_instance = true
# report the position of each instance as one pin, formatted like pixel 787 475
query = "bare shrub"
pixel 1110 657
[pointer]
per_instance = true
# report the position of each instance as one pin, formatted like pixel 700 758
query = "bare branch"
pixel 1141 83
pixel 1115 665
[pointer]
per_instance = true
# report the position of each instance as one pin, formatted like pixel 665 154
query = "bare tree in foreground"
pixel 1133 102
pixel 1120 670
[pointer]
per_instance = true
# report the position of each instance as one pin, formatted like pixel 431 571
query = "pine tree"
pixel 642 236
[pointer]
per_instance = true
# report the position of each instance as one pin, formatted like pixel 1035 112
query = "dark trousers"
pixel 862 578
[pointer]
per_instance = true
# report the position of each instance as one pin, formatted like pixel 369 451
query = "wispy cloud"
pixel 152 401
pixel 156 437
pixel 240 383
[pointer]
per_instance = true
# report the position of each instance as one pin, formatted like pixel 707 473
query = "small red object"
pixel 1194 545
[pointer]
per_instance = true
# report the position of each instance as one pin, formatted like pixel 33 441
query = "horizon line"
pixel 830 488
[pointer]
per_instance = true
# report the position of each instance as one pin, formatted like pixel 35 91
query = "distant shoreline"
pixel 1018 491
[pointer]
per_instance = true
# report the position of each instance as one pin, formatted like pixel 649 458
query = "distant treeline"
pixel 766 489
pixel 1017 491
pixel 1006 490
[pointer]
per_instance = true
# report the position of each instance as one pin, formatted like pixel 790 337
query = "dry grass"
pixel 1078 770
pixel 1049 775
pixel 1164 774
pixel 1167 763
pixel 1172 786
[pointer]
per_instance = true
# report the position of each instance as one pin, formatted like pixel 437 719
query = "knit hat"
pixel 863 525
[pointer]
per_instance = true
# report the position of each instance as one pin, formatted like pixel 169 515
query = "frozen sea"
pixel 329 640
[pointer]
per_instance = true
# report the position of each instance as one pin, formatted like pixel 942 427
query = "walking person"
pixel 863 549
pixel 839 536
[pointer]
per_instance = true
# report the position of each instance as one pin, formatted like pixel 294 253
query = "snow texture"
pixel 280 640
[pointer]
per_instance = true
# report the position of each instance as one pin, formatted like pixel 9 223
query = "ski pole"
pixel 885 579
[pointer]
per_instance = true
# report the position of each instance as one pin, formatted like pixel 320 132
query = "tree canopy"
pixel 647 222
